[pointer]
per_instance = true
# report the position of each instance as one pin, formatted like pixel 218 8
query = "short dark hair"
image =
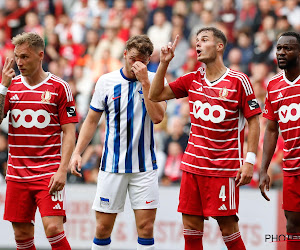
pixel 293 34
pixel 216 32
pixel 142 43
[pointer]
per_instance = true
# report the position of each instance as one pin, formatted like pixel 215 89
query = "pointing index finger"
pixel 175 42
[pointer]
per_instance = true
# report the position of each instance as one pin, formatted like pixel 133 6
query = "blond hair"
pixel 32 39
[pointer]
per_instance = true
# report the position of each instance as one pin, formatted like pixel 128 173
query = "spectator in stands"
pixel 160 31
pixel 110 41
pixel 292 11
pixel 176 133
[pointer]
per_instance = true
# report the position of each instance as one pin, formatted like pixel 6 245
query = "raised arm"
pixel 86 134
pixel 246 171
pixel 270 142
pixel 155 110
pixel 158 91
pixel 7 74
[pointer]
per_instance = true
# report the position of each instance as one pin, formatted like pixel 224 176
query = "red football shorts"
pixel 208 196
pixel 291 193
pixel 22 199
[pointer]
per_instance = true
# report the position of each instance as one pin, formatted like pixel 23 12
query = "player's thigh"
pixel 49 204
pixel 20 204
pixel 190 201
pixel 220 196
pixel 143 190
pixel 111 192
pixel 291 193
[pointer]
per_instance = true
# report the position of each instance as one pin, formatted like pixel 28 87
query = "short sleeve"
pixel 268 111
pixel 98 100
pixel 66 105
pixel 180 87
pixel 250 104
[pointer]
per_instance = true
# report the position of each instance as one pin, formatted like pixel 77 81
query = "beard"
pixel 289 64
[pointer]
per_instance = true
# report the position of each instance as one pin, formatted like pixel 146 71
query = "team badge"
pixel 223 93
pixel 46 96
pixel 253 104
pixel 71 111
pixel 104 202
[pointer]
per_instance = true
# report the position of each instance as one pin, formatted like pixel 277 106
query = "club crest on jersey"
pixel 46 96
pixel 223 93
pixel 104 202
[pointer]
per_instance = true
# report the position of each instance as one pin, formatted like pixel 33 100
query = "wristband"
pixel 3 89
pixel 251 158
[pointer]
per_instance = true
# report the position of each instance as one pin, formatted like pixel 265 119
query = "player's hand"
pixel 57 181
pixel 167 52
pixel 244 174
pixel 140 71
pixel 8 72
pixel 264 182
pixel 75 165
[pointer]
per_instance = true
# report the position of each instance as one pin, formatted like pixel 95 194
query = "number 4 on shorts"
pixel 222 193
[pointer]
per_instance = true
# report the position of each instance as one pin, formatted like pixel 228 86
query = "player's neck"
pixel 36 78
pixel 214 71
pixel 292 73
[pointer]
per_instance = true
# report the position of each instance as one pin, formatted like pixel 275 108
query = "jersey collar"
pixel 126 78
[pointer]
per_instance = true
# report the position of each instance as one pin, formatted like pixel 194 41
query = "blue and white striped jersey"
pixel 129 141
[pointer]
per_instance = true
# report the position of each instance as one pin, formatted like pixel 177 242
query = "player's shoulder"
pixel 237 74
pixel 275 79
pixel 56 81
pixel 200 72
pixel 15 81
pixel 110 78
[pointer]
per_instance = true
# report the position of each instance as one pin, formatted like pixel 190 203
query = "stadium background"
pixel 86 38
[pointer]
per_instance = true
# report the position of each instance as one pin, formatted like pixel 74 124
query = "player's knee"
pixel 23 232
pixel 292 226
pixel 145 229
pixel 53 229
pixel 103 231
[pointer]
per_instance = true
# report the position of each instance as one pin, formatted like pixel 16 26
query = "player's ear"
pixel 125 53
pixel 220 46
pixel 41 55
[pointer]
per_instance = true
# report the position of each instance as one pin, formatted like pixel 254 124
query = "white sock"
pixel 98 247
pixel 145 247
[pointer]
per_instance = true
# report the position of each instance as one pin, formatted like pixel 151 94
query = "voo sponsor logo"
pixel 29 118
pixel 206 112
pixel 289 113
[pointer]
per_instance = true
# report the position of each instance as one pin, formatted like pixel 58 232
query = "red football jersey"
pixel 282 105
pixel 36 114
pixel 217 112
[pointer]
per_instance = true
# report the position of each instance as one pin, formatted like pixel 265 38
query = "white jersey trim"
pixel 34 135
pixel 212 129
pixel 212 149
pixel 29 177
pixel 34 146
pixel 206 168
pixel 33 157
pixel 38 166
pixel 245 82
pixel 207 158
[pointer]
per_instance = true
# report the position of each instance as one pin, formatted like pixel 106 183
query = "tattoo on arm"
pixel 2 102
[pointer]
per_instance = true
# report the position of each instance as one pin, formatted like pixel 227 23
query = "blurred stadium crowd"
pixel 85 39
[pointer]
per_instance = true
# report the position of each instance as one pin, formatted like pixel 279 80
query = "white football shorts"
pixel 112 189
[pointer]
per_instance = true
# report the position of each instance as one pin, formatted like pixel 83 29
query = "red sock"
pixel 193 239
pixel 26 244
pixel 234 241
pixel 59 242
pixel 293 242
